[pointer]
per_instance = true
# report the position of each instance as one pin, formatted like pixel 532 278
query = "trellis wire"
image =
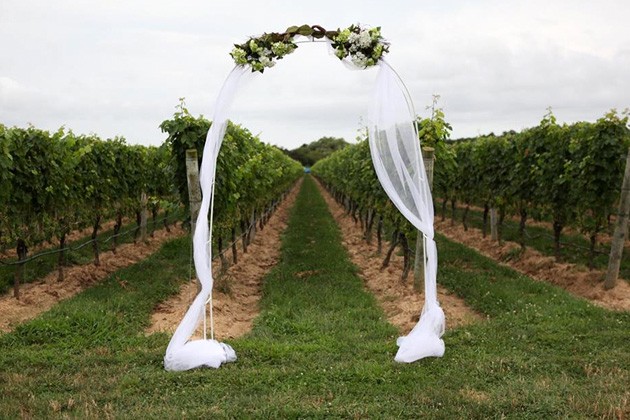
pixel 532 237
pixel 75 248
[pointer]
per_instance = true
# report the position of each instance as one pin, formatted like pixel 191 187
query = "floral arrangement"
pixel 363 46
pixel 261 53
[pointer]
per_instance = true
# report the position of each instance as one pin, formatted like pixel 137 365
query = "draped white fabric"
pixel 181 353
pixel 397 159
pixel 398 163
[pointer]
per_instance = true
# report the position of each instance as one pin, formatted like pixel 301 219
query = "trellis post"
pixel 621 227
pixel 143 216
pixel 194 191
pixel 494 230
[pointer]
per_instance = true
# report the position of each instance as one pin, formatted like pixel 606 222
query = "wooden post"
pixel 22 251
pixel 234 251
pixel 252 227
pixel 194 192
pixel 194 187
pixel 494 232
pixel 95 248
pixel 143 216
pixel 621 227
pixel 61 259
pixel 428 156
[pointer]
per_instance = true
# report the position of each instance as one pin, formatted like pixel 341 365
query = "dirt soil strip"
pixel 40 296
pixel 236 295
pixel 401 303
pixel 573 278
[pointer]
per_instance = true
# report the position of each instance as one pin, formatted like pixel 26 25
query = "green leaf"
pixel 305 30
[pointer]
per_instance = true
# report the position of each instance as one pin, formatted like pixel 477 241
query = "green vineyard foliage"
pixel 250 174
pixel 53 183
pixel 568 174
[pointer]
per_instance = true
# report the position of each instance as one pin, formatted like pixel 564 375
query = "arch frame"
pixel 397 160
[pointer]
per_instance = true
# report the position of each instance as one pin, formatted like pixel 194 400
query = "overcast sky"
pixel 118 67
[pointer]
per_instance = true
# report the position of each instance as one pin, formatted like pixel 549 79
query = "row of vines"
pixel 54 183
pixel 349 176
pixel 568 174
pixel 251 177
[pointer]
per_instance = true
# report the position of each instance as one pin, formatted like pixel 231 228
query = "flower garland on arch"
pixel 363 46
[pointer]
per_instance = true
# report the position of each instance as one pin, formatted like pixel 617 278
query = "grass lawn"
pixel 322 347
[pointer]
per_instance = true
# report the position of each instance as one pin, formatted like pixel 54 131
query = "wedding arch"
pixel 397 160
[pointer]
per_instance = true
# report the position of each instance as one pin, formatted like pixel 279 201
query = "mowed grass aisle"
pixel 321 346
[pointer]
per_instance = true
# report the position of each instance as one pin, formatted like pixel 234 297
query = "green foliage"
pixel 309 154
pixel 350 171
pixel 433 131
pixel 569 173
pixel 597 153
pixel 250 174
pixel 554 195
pixel 184 132
pixel 55 182
pixel 467 176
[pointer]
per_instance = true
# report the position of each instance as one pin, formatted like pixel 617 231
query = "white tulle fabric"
pixel 183 353
pixel 397 159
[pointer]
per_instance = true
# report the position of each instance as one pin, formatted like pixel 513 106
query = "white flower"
pixel 266 52
pixel 365 40
pixel 359 60
pixel 266 61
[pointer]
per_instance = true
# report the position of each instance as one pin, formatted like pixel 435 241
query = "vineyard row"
pixel 569 174
pixel 54 183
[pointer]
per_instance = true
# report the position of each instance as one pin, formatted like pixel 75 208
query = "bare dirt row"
pixel 40 296
pixel 237 292
pixel 400 301
pixel 576 279
pixel 236 307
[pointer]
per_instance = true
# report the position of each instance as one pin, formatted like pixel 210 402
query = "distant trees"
pixel 308 154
